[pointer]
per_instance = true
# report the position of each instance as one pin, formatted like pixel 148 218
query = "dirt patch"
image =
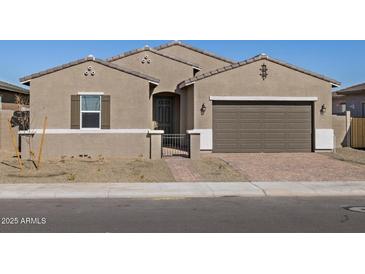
pixel 75 170
pixel 216 170
pixel 349 155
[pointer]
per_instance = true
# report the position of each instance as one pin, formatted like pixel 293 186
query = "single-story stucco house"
pixel 351 99
pixel 112 107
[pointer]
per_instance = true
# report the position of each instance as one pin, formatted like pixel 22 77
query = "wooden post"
pixel 13 138
pixel 31 153
pixel 348 129
pixel 42 141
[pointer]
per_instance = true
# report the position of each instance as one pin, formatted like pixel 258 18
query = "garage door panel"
pixel 247 126
pixel 273 145
pixel 273 116
pixel 262 127
pixel 249 145
pixel 227 115
pixel 284 127
pixel 227 136
pixel 297 115
pixel 290 126
pixel 299 136
pixel 223 126
pixel 250 115
pixel 248 135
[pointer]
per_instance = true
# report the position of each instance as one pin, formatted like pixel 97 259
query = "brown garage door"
pixel 262 126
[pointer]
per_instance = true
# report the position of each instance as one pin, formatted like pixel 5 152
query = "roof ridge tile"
pixel 169 44
pixel 147 48
pixel 88 59
pixel 255 59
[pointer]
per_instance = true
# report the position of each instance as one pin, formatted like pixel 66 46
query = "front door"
pixel 163 114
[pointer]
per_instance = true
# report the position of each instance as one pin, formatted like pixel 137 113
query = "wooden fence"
pixel 358 132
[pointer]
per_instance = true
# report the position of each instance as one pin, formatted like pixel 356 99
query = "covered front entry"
pixel 166 112
pixel 242 126
pixel 166 115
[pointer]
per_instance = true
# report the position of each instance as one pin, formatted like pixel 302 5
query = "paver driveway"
pixel 293 167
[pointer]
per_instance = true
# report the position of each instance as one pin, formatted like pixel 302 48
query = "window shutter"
pixel 75 112
pixel 105 111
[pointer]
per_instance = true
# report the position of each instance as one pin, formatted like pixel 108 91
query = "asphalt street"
pixel 227 214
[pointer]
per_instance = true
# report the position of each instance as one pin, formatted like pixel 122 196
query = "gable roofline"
pixel 336 95
pixel 352 89
pixel 147 48
pixel 25 80
pixel 252 60
pixel 210 54
pixel 13 88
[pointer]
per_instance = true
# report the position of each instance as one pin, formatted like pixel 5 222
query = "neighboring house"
pixel 9 94
pixel 111 107
pixel 351 99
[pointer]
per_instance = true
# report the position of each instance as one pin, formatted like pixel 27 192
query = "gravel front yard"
pixel 344 165
pixel 296 166
pixel 87 170
pixel 349 155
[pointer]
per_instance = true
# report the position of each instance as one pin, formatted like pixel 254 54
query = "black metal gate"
pixel 175 145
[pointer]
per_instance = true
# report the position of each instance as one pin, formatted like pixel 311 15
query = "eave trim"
pixel 263 98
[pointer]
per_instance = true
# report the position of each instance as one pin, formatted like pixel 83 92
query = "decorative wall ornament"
pixel 145 60
pixel 89 71
pixel 203 109
pixel 323 108
pixel 263 70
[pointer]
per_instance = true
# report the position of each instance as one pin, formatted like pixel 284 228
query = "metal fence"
pixel 175 145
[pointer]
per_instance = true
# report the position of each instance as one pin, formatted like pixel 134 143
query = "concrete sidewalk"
pixel 180 190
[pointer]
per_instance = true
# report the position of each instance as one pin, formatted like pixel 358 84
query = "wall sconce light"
pixel 323 108
pixel 203 109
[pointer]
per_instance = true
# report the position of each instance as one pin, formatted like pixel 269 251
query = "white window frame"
pixel 341 104
pixel 90 111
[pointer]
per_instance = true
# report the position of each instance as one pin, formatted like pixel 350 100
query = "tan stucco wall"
pixel 340 129
pixel 155 146
pixel 353 104
pixel 194 146
pixel 205 62
pixel 51 96
pixel 190 113
pixel 169 72
pixel 246 81
pixel 107 145
pixel 6 143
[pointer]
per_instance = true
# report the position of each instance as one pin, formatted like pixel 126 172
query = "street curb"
pixel 180 190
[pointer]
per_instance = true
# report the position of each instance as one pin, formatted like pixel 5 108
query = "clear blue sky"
pixel 341 60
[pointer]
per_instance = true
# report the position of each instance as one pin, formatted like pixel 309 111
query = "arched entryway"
pixel 166 112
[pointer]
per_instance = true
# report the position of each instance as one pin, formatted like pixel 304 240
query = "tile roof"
pixel 251 60
pixel 353 89
pixel 174 43
pixel 13 88
pixel 146 48
pixel 86 59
